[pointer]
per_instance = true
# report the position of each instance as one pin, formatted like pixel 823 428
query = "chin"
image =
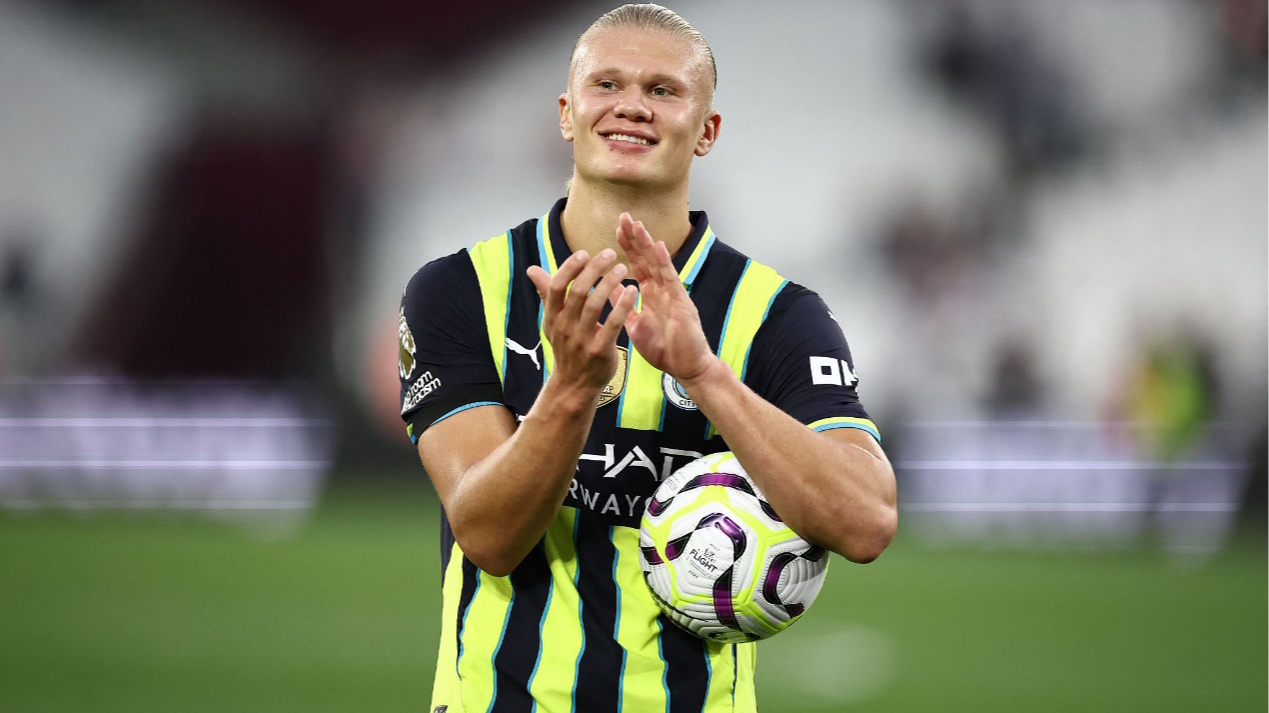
pixel 630 180
pixel 623 173
pixel 631 177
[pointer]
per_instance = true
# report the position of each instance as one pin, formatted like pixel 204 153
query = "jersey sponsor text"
pixel 425 385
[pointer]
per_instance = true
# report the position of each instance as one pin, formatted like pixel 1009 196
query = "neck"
pixel 591 215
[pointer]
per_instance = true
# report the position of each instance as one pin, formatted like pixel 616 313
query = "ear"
pixel 709 132
pixel 566 118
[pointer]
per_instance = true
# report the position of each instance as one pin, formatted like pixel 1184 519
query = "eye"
pixel 660 92
pixel 607 84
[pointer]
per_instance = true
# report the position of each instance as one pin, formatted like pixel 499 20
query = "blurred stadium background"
pixel 1042 226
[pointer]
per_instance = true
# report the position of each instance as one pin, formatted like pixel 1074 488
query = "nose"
pixel 633 106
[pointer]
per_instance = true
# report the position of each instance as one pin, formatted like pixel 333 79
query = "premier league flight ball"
pixel 719 561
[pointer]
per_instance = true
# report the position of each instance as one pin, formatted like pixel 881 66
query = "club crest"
pixel 675 394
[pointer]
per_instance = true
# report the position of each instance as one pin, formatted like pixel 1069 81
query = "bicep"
pixel 860 439
pixel 450 447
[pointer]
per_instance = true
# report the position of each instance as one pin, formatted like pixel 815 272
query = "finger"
pixel 594 305
pixel 616 295
pixel 585 280
pixel 623 303
pixel 635 251
pixel 636 234
pixel 541 280
pixel 657 255
pixel 557 289
pixel 649 258
pixel 625 228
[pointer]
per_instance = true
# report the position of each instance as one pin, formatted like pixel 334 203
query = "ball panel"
pixel 790 581
pixel 800 582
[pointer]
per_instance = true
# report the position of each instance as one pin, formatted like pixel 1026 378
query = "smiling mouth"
pixel 629 139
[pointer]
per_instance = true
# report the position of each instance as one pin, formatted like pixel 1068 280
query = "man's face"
pixel 638 107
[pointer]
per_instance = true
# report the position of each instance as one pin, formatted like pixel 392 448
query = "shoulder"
pixel 781 297
pixel 458 271
pixel 800 320
pixel 726 260
pixel 445 276
pixel 728 274
pixel 800 303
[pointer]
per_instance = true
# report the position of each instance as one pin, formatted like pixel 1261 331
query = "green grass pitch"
pixel 129 613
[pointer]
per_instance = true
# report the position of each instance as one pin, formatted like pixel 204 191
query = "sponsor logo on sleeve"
pixel 424 385
pixel 827 371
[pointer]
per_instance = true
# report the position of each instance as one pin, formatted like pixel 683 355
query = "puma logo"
pixel 531 353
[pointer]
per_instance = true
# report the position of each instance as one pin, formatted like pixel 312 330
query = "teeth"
pixel 630 139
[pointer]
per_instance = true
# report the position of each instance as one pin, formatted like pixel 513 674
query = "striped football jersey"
pixel 574 628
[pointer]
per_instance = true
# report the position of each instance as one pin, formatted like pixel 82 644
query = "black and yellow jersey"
pixel 574 628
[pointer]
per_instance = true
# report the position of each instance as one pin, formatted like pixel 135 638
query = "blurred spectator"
pixel 938 257
pixel 1168 401
pixel 17 288
pixel 986 55
pixel 23 299
pixel 1170 393
pixel 1254 513
pixel 1016 391
pixel 930 253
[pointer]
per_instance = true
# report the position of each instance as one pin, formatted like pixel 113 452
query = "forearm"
pixel 502 504
pixel 832 492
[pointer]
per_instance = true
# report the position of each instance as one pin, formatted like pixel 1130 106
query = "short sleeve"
pixel 444 360
pixel 800 362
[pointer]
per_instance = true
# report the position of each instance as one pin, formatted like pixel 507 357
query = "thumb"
pixel 540 279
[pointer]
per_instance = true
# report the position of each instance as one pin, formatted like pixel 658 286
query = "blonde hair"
pixel 647 16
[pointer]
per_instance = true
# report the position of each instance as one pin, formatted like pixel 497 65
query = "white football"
pixel 719 561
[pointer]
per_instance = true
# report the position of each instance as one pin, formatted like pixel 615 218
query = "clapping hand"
pixel 585 348
pixel 667 328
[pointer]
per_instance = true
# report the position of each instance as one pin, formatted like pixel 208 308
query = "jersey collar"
pixel 552 249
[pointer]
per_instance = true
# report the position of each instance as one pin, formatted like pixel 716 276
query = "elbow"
pixel 487 553
pixel 495 567
pixel 866 543
pixel 493 563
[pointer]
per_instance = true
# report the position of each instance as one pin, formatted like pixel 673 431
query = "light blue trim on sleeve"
pixel 863 427
pixel 464 408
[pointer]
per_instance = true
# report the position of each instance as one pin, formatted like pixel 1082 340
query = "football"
pixel 719 561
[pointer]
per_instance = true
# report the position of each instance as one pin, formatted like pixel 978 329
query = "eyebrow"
pixel 658 78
